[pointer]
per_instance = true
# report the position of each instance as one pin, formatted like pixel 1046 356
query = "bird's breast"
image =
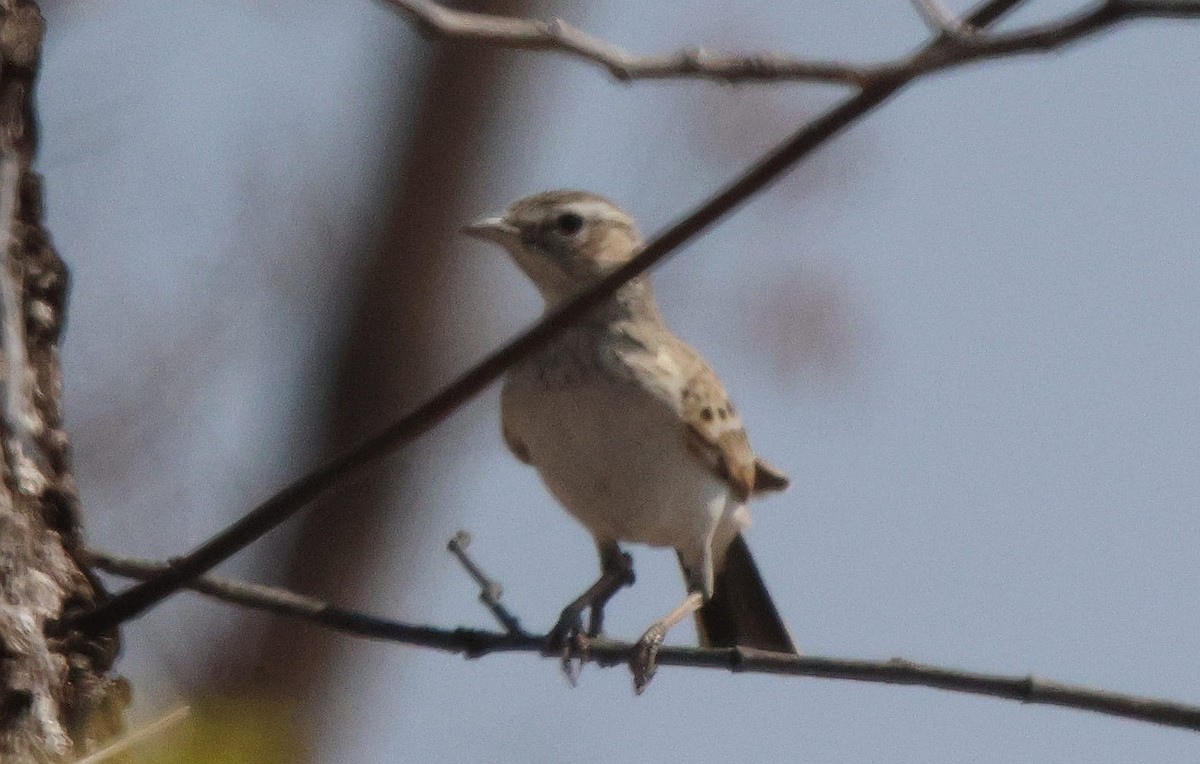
pixel 611 451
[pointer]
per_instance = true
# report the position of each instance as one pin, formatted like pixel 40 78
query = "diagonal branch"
pixel 474 643
pixel 1160 8
pixel 942 52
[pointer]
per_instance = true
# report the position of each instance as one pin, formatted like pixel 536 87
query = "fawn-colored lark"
pixel 632 432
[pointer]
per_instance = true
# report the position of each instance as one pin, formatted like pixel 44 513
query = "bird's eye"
pixel 569 223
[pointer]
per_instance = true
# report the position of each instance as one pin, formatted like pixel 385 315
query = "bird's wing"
pixel 518 448
pixel 714 431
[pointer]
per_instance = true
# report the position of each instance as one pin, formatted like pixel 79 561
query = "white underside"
pixel 615 457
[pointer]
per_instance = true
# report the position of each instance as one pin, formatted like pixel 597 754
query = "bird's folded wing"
pixel 714 432
pixel 712 429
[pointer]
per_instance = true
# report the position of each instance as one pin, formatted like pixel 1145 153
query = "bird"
pixel 632 432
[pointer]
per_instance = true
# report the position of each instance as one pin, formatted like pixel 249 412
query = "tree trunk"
pixel 56 697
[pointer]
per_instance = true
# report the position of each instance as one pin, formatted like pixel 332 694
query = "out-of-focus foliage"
pixel 245 730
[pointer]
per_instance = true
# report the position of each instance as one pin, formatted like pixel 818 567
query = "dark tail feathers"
pixel 741 612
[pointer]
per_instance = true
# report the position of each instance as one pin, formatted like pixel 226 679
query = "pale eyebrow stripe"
pixel 599 210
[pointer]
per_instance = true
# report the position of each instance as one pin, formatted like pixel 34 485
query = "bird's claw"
pixel 574 655
pixel 570 642
pixel 569 625
pixel 643 660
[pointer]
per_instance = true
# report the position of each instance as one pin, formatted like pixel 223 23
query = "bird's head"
pixel 563 240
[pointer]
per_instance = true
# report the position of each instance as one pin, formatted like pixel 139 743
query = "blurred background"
pixel 967 328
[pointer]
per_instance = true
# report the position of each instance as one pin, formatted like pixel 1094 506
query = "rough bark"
pixel 57 699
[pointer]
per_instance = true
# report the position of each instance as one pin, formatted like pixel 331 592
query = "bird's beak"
pixel 495 229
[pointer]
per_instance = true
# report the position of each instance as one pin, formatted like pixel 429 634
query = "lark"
pixel 633 433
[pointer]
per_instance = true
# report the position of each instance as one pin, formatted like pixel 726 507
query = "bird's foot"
pixel 570 642
pixel 643 660
pixel 596 622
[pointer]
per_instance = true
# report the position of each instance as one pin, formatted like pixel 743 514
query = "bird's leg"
pixel 698 574
pixel 618 566
pixel 643 660
pixel 568 637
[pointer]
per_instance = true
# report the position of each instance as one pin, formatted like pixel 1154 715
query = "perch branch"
pixel 287 502
pixel 475 643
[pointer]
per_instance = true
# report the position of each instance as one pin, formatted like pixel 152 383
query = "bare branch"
pixel 940 20
pixel 1052 35
pixel 1160 8
pixel 435 20
pixel 489 589
pixel 959 42
pixel 938 54
pixel 476 643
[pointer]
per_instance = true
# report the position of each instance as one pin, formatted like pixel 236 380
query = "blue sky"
pixel 994 462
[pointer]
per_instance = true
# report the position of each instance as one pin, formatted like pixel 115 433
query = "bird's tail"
pixel 741 613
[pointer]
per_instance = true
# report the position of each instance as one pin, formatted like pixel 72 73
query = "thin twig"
pixel 489 589
pixel 940 19
pixel 940 53
pixel 476 643
pixel 436 20
pixel 959 42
